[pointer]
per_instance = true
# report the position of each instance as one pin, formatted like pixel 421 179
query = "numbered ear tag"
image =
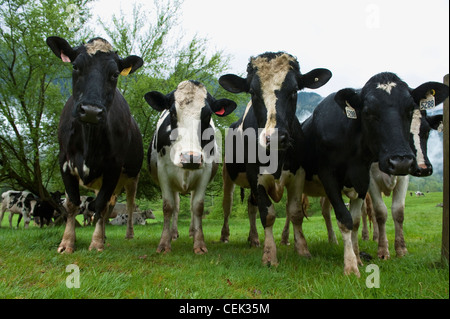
pixel 125 71
pixel 428 102
pixel 350 111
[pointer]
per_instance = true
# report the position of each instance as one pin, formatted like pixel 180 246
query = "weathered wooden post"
pixel 445 217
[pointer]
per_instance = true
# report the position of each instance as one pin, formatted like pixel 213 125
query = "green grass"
pixel 30 267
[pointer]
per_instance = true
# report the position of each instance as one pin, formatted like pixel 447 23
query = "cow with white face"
pixel 183 155
pixel 269 125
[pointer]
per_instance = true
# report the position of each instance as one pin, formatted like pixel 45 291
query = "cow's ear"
pixel 314 79
pixel 440 92
pixel 435 121
pixel 223 107
pixel 349 99
pixel 62 49
pixel 234 83
pixel 130 64
pixel 157 100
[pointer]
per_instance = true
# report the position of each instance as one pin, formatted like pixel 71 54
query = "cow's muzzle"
pixel 91 114
pixel 191 160
pixel 400 165
pixel 422 170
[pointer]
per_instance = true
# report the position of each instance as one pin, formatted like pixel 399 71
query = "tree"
pixel 32 90
pixel 166 64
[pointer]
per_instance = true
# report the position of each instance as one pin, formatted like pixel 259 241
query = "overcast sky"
pixel 355 39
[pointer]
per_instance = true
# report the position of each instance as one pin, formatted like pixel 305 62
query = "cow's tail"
pixel 242 194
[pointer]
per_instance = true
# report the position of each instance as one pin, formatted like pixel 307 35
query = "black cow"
pixel 100 142
pixel 268 125
pixel 351 129
pixel 44 211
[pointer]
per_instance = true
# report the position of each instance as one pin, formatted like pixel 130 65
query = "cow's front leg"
pixel 345 223
pixel 197 207
pixel 227 203
pixel 67 244
pixel 252 210
pixel 295 211
pixel 99 235
pixel 398 211
pixel 267 215
pixel 168 209
pixel 355 211
pixel 130 189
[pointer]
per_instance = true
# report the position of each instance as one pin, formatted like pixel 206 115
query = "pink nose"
pixel 191 160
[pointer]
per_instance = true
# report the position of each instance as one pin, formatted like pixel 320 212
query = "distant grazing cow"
pixel 139 218
pixel 269 125
pixel 44 211
pixel 351 129
pixel 17 202
pixel 100 142
pixel 183 154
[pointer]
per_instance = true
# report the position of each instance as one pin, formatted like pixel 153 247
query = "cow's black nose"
pixel 91 114
pixel 400 165
pixel 421 170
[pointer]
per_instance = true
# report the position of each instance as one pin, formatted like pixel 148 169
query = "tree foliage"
pixel 30 91
pixel 34 85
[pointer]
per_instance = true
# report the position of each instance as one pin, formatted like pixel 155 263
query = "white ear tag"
pixel 350 111
pixel 440 128
pixel 428 102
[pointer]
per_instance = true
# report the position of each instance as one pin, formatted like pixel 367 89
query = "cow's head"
pixel 189 123
pixel 419 141
pixel 273 80
pixel 385 107
pixel 96 68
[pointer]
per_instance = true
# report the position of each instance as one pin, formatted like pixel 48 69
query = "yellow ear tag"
pixel 126 71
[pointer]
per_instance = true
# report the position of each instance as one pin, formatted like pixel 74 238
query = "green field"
pixel 30 267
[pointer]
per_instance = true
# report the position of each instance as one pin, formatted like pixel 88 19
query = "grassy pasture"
pixel 31 268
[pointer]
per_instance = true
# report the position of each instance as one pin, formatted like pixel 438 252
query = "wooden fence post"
pixel 445 217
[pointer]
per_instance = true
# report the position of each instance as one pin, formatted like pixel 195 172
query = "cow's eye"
pixel 115 75
pixel 75 68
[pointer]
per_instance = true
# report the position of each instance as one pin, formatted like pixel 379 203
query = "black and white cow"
pixel 183 155
pixel 348 132
pixel 382 183
pixel 18 202
pixel 264 146
pixel 100 142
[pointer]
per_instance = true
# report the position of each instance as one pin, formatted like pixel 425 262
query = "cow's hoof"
pixel 401 252
pixel 352 269
pixel 163 249
pixel 97 246
pixel 269 260
pixel 224 239
pixel 200 250
pixel 62 249
pixel 384 254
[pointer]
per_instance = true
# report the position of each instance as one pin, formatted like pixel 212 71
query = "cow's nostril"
pixel 90 114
